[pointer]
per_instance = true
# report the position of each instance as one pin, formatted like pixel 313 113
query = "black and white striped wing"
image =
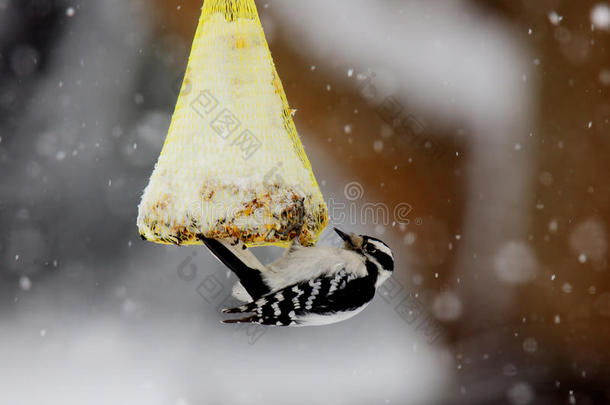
pixel 291 306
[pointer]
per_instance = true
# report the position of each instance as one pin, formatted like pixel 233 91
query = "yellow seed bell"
pixel 232 164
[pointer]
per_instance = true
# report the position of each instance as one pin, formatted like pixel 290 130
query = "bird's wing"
pixel 324 295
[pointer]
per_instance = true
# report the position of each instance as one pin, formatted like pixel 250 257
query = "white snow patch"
pixel 600 16
pixel 555 18
pixel 515 263
pixel 588 239
pixel 447 306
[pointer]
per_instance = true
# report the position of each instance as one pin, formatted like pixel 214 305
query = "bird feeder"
pixel 232 165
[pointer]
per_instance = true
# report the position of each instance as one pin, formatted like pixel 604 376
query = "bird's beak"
pixel 352 240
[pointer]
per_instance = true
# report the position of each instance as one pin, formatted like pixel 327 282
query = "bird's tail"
pixel 235 255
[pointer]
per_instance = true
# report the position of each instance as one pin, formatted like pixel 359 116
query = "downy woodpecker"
pixel 309 285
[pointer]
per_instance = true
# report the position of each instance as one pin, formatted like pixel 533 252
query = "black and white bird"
pixel 309 285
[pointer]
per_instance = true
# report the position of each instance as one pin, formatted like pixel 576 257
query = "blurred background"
pixel 485 122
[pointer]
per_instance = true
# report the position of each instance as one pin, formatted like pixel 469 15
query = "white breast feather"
pixel 310 263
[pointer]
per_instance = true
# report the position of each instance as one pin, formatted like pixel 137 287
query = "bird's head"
pixel 372 249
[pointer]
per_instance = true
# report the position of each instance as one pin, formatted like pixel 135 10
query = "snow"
pixel 604 77
pixel 555 18
pixel 588 240
pixel 30 251
pixel 25 283
pixel 509 370
pixel 572 398
pixel 521 393
pixel 123 347
pixel 447 306
pixel 378 146
pixel 515 263
pixel 410 238
pixel 600 16
pixel 530 345
pixel 546 178
pixel 153 361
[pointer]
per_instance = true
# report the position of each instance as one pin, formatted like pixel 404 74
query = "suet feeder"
pixel 232 165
